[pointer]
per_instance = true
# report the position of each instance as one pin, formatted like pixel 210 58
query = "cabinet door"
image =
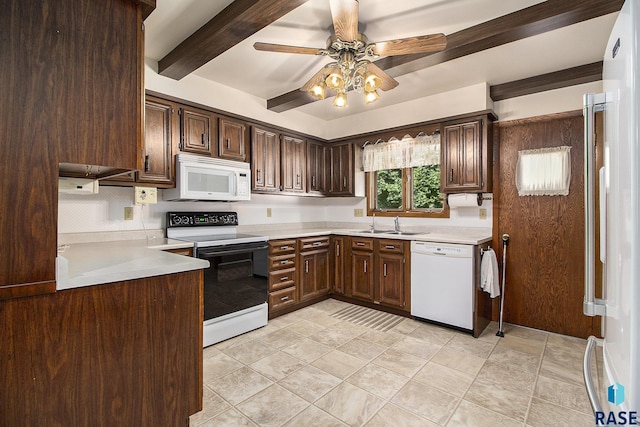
pixel 231 140
pixel 317 155
pixel 362 275
pixel 157 167
pixel 338 265
pixel 196 128
pixel 265 160
pixel 341 170
pixel 391 279
pixel 314 274
pixel 293 164
pixel 462 170
pixel 94 66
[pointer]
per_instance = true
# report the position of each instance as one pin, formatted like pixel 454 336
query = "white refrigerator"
pixel 619 225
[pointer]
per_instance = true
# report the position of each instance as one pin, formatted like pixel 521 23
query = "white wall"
pixel 549 102
pixel 105 212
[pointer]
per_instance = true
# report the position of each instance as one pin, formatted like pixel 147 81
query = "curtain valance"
pixel 402 153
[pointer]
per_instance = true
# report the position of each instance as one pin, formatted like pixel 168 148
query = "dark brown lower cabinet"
pixel 120 354
pixel 338 267
pixel 362 275
pixel 313 262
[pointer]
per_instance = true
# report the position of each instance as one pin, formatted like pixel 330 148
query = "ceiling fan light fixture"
pixel 371 82
pixel 318 90
pixel 340 100
pixel 371 96
pixel 335 81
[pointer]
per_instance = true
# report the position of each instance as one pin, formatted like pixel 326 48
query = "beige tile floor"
pixel 310 369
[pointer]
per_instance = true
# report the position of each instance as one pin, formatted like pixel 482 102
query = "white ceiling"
pixel 267 74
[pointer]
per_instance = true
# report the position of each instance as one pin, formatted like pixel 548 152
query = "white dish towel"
pixel 489 278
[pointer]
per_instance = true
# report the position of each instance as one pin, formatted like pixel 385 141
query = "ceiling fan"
pixel 350 50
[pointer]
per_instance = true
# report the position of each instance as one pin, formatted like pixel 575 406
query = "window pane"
pixel 389 189
pixel 426 187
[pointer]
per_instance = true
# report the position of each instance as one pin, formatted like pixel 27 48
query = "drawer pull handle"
pixel 306 266
pixel 228 143
pixel 284 262
pixel 359 244
pixel 337 249
pixel 389 246
pixel 284 248
pixel 365 265
pixel 283 278
pixel 316 243
pixel 384 267
pixel 284 298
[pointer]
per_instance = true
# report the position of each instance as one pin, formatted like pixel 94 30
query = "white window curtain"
pixel 408 152
pixel 544 172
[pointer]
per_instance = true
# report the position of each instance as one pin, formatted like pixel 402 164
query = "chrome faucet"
pixel 373 222
pixel 396 223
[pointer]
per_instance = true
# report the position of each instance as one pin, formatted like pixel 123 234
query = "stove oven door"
pixel 236 279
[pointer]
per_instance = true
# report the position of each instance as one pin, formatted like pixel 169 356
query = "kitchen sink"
pixel 406 233
pixel 397 233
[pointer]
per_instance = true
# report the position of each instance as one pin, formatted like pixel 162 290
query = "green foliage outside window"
pixel 389 189
pixel 426 187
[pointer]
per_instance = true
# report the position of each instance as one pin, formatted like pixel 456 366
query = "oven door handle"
pixel 208 253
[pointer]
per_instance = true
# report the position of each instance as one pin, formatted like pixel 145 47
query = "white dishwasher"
pixel 442 285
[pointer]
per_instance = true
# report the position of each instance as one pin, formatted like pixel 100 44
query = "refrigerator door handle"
pixel 592 103
pixel 586 372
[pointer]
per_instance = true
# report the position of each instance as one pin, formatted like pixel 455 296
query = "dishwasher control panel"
pixel 464 251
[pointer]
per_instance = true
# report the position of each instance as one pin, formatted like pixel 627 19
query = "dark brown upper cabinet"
pixel 231 142
pixel 293 164
pixel 160 132
pixel 265 160
pixel 196 130
pixel 466 156
pixel 341 170
pixel 318 159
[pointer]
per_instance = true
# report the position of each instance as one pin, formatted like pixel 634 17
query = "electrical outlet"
pixel 268 212
pixel 483 213
pixel 128 213
pixel 358 212
pixel 146 195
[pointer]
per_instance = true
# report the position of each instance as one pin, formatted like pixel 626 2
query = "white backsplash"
pixel 105 212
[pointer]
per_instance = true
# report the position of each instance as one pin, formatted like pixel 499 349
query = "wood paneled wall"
pixel 545 256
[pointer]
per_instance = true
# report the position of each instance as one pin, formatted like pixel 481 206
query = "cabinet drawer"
pixel 279 262
pixel 314 242
pixel 282 279
pixel 279 247
pixel 282 298
pixel 362 243
pixel 391 246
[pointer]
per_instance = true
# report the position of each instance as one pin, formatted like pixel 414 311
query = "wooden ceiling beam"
pixel 236 22
pixel 537 19
pixel 558 79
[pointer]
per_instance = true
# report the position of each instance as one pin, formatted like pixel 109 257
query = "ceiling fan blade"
pixel 419 44
pixel 320 75
pixel 345 19
pixel 270 47
pixel 388 82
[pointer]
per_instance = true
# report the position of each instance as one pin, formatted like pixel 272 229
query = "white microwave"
pixel 205 178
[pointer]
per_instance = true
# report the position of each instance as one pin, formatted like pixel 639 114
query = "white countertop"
pixel 86 264
pixel 460 235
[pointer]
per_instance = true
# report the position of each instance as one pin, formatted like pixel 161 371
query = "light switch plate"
pixel 268 212
pixel 146 195
pixel 483 213
pixel 358 212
